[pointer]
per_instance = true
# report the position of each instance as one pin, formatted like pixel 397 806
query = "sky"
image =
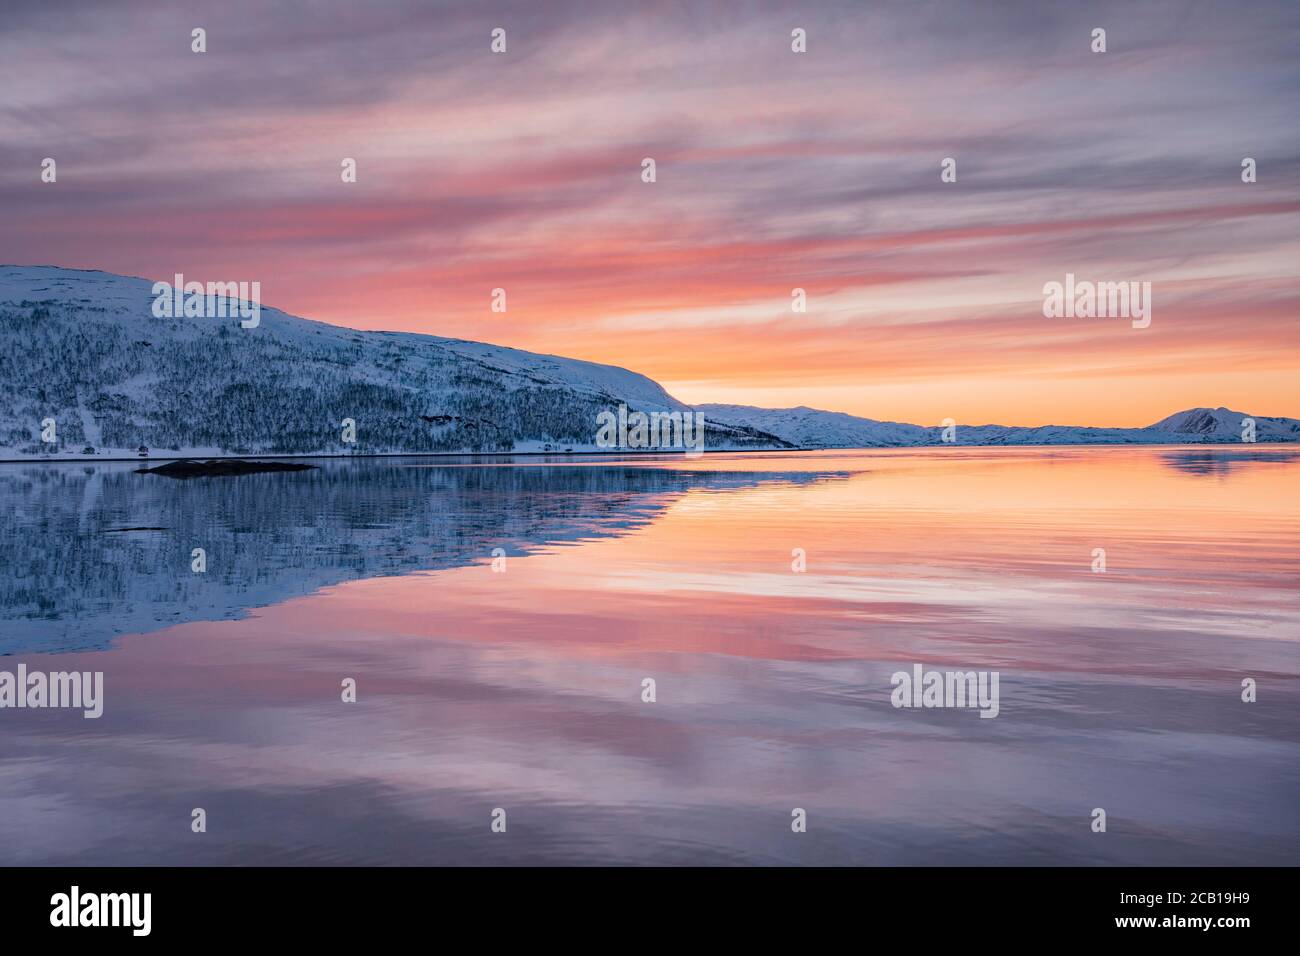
pixel 775 170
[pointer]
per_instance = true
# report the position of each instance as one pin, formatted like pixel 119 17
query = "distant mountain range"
pixel 811 428
pixel 83 360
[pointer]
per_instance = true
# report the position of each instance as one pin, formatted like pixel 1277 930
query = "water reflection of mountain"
pixel 74 576
pixel 1220 463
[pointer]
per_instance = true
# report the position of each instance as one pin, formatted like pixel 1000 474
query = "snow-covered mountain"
pixel 83 350
pixel 1222 424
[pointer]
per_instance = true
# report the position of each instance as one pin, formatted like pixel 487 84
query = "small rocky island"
pixel 220 467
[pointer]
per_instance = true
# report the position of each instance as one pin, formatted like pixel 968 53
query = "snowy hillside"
pixel 84 350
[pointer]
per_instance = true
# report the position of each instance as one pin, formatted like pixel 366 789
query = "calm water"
pixel 521 688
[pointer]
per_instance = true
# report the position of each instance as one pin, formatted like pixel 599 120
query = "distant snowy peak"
pixel 1223 424
pixel 1205 421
